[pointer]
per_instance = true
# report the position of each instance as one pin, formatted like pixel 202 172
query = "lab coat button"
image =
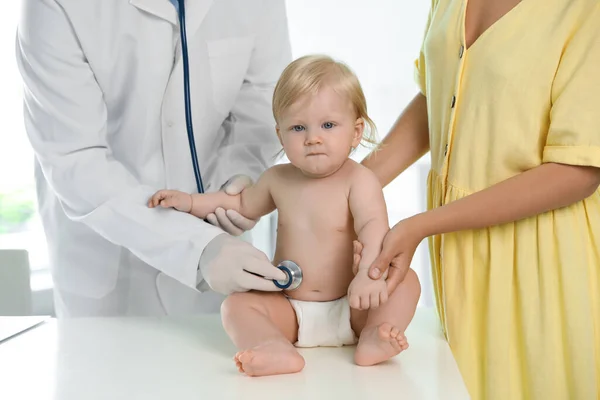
pixel 170 124
pixel 461 51
pixel 453 102
pixel 446 150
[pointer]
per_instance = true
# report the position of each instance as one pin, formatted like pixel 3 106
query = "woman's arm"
pixel 407 141
pixel 541 189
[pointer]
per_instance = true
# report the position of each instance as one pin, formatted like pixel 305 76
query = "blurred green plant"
pixel 17 207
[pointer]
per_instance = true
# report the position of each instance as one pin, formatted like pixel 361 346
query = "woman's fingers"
pixel 357 248
pixel 398 268
pixel 380 265
pixel 393 280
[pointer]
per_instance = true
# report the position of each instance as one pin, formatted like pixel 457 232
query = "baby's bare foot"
pixel 378 344
pixel 269 359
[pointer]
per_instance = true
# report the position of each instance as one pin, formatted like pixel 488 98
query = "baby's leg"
pixel 263 326
pixel 382 334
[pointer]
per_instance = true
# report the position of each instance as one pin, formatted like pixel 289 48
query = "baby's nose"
pixel 313 139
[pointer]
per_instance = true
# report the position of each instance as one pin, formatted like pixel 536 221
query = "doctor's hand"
pixel 231 221
pixel 231 265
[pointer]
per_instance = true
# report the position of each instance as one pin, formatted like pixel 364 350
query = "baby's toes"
pixel 237 356
pixel 402 341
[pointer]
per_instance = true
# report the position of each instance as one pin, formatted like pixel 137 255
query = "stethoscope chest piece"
pixel 294 275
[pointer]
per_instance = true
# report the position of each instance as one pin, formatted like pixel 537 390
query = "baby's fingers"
pixel 383 297
pixel 154 200
pixel 364 302
pixel 354 301
pixel 168 202
pixel 374 300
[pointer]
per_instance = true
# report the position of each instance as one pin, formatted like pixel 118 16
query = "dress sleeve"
pixel 574 133
pixel 420 69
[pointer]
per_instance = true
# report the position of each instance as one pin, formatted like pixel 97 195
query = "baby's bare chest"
pixel 318 207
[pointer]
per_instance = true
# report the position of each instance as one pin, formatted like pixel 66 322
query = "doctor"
pixel 104 111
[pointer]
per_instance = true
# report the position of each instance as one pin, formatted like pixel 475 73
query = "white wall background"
pixel 378 39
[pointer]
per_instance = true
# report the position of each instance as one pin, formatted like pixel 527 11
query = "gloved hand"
pixel 231 221
pixel 227 264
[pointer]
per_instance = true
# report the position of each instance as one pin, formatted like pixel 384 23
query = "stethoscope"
pixel 291 269
pixel 186 97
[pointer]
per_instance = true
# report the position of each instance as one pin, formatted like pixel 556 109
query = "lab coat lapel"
pixel 195 11
pixel 160 8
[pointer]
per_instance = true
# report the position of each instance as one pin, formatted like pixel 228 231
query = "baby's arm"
pixel 369 210
pixel 253 202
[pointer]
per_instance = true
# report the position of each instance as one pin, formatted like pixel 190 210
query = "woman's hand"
pixel 399 246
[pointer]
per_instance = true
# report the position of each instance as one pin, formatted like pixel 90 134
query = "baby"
pixel 325 201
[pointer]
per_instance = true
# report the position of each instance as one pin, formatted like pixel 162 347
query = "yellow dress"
pixel 519 303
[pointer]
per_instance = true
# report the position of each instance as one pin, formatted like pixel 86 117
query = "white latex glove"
pixel 227 264
pixel 231 221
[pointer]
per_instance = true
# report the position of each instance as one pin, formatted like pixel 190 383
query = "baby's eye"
pixel 297 128
pixel 328 125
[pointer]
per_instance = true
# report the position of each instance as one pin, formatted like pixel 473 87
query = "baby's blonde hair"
pixel 306 75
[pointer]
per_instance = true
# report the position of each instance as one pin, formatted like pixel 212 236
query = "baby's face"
pixel 319 131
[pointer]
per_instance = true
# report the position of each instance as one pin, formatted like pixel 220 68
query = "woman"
pixel 510 110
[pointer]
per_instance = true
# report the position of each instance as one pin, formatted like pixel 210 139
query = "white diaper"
pixel 323 323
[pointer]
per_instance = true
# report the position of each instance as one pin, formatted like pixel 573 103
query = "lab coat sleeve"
pixel 66 121
pixel 250 144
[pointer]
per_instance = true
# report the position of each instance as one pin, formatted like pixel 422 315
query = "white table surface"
pixel 12 326
pixel 179 358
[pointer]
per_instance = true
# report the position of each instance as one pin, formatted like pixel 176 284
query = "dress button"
pixel 453 101
pixel 461 51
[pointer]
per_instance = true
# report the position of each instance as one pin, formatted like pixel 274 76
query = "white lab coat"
pixel 104 112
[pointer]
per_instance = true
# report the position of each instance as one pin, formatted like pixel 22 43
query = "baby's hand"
pixel 365 293
pixel 171 198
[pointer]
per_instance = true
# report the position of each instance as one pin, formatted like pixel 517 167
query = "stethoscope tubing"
pixel 187 98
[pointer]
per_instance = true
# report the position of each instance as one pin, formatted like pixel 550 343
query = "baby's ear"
pixel 359 128
pixel 278 134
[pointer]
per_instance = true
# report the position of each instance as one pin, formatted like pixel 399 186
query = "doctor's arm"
pixel 253 141
pixel 66 121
